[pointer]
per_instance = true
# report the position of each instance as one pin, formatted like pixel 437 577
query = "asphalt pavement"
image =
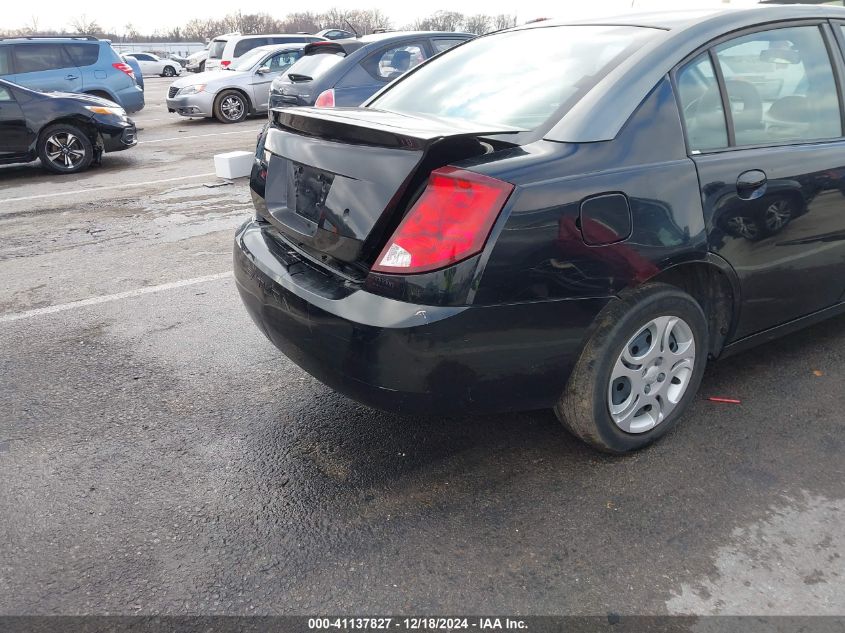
pixel 159 456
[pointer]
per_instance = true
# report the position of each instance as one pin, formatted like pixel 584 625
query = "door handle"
pixel 71 77
pixel 751 184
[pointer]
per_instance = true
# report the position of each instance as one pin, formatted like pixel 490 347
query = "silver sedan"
pixel 242 89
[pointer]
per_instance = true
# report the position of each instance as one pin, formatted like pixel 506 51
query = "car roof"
pixel 350 44
pixel 50 38
pixel 598 117
pixel 269 48
pixel 680 19
pixel 401 35
pixel 252 37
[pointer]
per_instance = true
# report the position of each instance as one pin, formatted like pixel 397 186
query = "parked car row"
pixel 325 73
pixel 82 85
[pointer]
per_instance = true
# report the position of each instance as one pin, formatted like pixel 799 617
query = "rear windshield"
pixel 518 79
pixel 315 65
pixel 215 51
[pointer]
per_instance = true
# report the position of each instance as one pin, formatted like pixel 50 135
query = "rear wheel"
pixel 65 149
pixel 169 71
pixel 639 370
pixel 230 106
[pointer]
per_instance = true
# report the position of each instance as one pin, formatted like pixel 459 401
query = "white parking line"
pixel 62 307
pixel 89 189
pixel 180 138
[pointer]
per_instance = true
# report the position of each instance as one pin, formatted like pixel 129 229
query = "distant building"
pixel 162 49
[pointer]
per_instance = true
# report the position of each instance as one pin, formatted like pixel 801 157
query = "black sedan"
pixel 564 226
pixel 66 131
pixel 347 72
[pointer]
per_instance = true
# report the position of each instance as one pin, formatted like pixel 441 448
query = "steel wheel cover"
pixel 651 374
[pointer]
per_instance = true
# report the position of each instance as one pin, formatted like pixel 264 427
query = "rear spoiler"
pixel 369 126
pixel 332 47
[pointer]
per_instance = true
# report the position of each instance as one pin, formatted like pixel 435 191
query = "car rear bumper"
pixel 403 357
pixel 131 99
pixel 195 105
pixel 278 100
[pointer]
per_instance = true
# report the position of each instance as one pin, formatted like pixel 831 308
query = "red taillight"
pixel 225 63
pixel 325 99
pixel 450 222
pixel 123 66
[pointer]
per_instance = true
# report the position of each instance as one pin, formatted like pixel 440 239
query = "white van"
pixel 226 49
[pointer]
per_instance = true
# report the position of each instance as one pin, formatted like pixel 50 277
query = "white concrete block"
pixel 233 164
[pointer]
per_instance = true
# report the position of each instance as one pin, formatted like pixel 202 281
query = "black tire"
pixel 52 144
pixel 202 67
pixel 226 110
pixel 584 407
pixel 169 71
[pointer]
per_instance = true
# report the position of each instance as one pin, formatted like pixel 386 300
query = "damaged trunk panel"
pixel 339 181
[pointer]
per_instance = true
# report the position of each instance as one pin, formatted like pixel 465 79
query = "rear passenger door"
pixel 46 66
pixel 763 121
pixel 85 55
pixel 261 82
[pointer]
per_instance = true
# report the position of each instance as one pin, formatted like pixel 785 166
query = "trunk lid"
pixel 338 180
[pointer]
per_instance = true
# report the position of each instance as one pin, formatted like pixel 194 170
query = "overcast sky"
pixel 148 15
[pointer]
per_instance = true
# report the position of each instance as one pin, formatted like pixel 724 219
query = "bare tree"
pixel 478 24
pixel 503 21
pixel 334 18
pixel 84 26
pixel 303 22
pixel 131 33
pixel 31 27
pixel 367 20
pixel 441 21
pixel 201 30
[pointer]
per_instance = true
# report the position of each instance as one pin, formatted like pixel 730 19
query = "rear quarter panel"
pixel 539 253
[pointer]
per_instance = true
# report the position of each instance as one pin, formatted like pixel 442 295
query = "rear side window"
pixel 5 94
pixel 5 60
pixel 289 39
pixel 780 86
pixel 444 45
pixel 279 62
pixel 30 58
pixel 215 51
pixel 701 105
pixel 83 54
pixel 244 46
pixel 520 79
pixel 395 62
